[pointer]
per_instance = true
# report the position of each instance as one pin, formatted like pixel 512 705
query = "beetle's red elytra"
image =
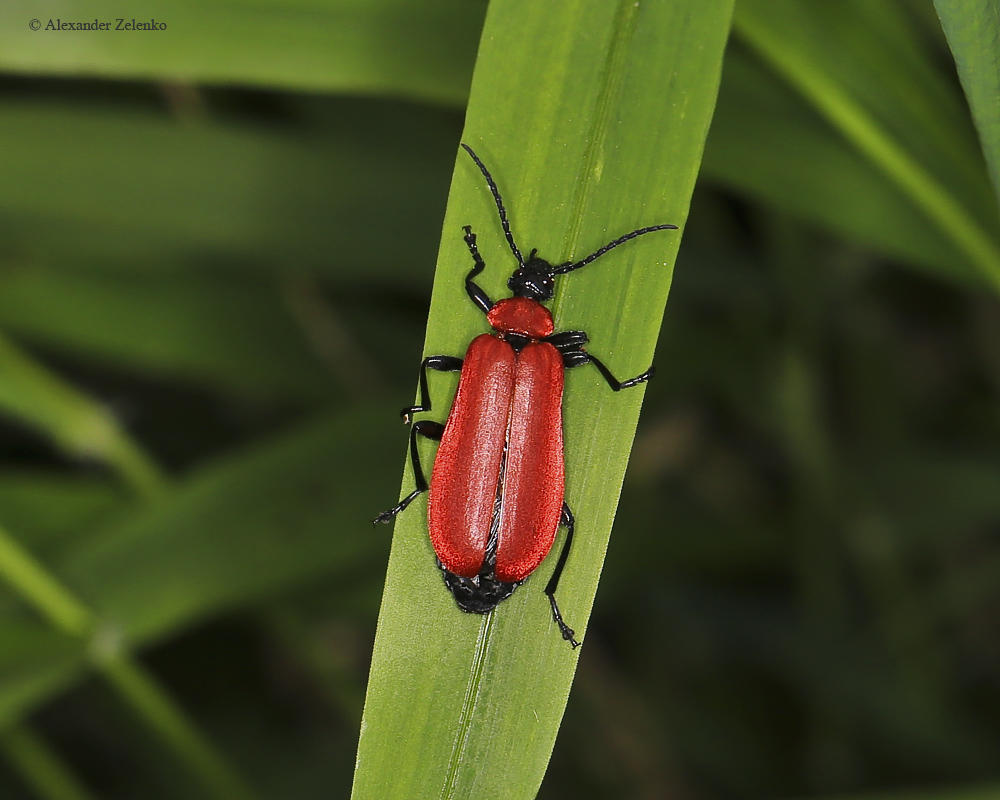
pixel 496 495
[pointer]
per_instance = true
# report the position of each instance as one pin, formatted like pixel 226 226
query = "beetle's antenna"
pixel 569 266
pixel 499 201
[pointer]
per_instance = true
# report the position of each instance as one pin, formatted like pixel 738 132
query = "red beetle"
pixel 496 493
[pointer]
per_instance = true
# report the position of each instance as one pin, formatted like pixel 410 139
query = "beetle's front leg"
pixel 476 292
pixel 439 363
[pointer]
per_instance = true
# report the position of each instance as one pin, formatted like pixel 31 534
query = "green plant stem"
pixel 863 132
pixel 39 767
pixel 138 688
pixel 36 585
pixel 77 424
pixel 158 710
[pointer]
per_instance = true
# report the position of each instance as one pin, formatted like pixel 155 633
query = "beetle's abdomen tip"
pixel 478 595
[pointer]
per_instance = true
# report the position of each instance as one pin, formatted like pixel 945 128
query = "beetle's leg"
pixel 441 364
pixel 615 384
pixel 568 341
pixel 474 290
pixel 430 430
pixel 550 588
pixel 425 428
pixel 570 345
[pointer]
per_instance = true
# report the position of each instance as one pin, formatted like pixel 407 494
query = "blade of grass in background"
pixel 231 223
pixel 78 425
pixel 48 508
pixel 592 118
pixel 769 144
pixel 387 47
pixel 233 334
pixel 219 195
pixel 829 54
pixel 153 705
pixel 272 517
pixel 40 767
pixel 973 31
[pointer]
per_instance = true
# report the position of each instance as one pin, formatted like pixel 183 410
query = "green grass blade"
pixel 47 507
pixel 236 334
pixel 39 766
pixel 592 118
pixel 220 191
pixel 769 144
pixel 154 706
pixel 422 51
pixel 287 511
pixel 36 397
pixel 973 31
pixel 41 589
pixel 790 36
pixel 260 521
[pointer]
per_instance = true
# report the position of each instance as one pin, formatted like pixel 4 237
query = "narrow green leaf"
pixel 391 47
pixel 286 512
pixel 235 532
pixel 66 613
pixel 39 588
pixel 592 118
pixel 221 195
pixel 39 766
pixel 35 661
pixel 973 31
pixel 36 397
pixel 160 712
pixel 767 142
pixel 47 506
pixel 234 334
pixel 806 44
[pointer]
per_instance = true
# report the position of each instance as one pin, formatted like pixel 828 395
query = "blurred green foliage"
pixel 214 275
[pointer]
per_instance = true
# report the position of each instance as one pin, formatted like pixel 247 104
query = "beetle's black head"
pixel 534 280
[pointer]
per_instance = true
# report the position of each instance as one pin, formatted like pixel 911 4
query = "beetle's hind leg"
pixel 569 521
pixel 430 430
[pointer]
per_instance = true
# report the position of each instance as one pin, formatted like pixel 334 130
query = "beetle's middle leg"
pixel 426 428
pixel 570 345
